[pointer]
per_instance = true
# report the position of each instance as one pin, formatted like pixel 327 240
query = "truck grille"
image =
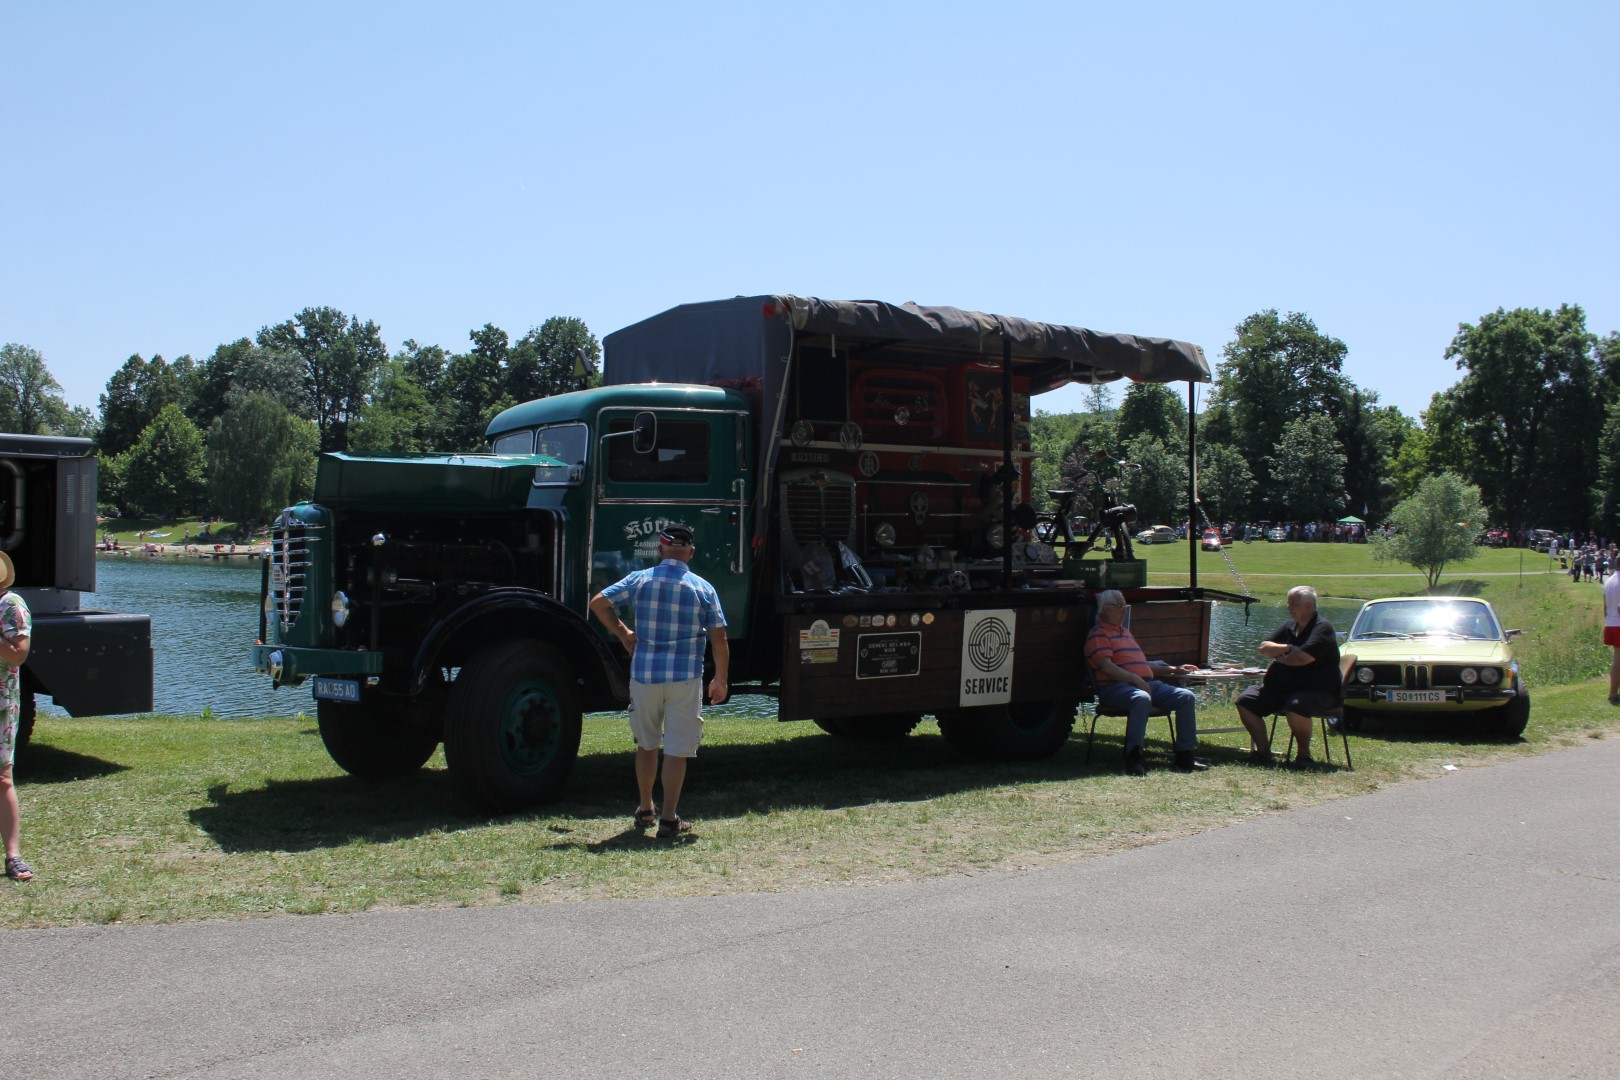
pixel 290 561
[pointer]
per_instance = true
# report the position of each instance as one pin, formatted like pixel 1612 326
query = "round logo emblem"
pixel 989 645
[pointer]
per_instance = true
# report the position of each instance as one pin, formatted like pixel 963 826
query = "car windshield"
pixel 1470 619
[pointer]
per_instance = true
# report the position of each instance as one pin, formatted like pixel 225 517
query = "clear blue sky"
pixel 178 175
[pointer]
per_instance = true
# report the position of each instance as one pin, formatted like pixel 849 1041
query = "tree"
pixel 30 397
pixel 1277 369
pixel 242 367
pixel 260 458
pixel 1435 527
pixel 1156 480
pixel 401 417
pixel 472 388
pixel 1530 408
pixel 341 356
pixel 544 360
pixel 1307 468
pixel 1153 409
pixel 1606 494
pixel 135 394
pixel 163 472
pixel 1224 483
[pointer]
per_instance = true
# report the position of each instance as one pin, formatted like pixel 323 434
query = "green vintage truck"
pixel 857 476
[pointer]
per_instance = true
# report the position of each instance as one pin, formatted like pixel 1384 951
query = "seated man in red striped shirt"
pixel 1126 684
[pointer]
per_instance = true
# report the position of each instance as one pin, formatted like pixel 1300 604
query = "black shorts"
pixel 1263 701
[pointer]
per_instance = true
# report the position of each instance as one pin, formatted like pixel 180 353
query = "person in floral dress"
pixel 16 630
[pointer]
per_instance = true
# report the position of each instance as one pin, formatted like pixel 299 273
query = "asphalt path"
pixel 1464 926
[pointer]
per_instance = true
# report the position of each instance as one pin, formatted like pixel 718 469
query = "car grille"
pixel 1424 677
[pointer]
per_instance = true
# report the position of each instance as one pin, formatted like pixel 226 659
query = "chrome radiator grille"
pixel 290 561
pixel 818 506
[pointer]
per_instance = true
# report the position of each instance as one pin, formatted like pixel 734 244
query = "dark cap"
pixel 676 536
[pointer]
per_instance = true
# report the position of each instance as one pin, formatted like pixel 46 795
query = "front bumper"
pixel 289 666
pixel 1452 698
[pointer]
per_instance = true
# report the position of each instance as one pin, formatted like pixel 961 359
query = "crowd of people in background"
pixel 1590 559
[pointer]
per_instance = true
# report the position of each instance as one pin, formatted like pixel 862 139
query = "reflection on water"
pixel 205 614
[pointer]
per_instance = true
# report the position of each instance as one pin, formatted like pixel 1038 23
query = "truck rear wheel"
pixel 1021 731
pixel 376 738
pixel 883 727
pixel 514 724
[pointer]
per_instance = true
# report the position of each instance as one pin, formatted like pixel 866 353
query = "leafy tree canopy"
pixel 30 397
pixel 1435 527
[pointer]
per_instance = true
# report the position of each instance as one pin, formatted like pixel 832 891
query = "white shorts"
pixel 669 713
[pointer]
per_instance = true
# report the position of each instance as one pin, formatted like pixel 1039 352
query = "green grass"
pixel 158 820
pixel 162 819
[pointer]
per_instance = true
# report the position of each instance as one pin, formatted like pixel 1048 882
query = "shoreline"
pixel 152 550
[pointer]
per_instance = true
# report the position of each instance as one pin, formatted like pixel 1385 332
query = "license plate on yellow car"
pixel 1417 697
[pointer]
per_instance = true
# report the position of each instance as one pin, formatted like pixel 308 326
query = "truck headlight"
pixel 340 608
pixel 995 536
pixel 884 535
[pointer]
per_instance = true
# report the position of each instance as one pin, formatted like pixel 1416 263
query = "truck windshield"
pixel 567 443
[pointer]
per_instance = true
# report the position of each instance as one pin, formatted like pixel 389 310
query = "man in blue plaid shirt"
pixel 676 613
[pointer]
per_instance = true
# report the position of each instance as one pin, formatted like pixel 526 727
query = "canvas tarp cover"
pixel 749 341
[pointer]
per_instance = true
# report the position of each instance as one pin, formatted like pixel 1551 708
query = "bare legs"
pixel 674 779
pixel 1298 723
pixel 10 814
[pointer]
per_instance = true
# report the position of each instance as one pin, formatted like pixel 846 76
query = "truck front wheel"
pixel 377 737
pixel 513 727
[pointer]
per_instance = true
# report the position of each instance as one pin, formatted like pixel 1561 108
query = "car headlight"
pixel 1490 676
pixel 340 608
pixel 1364 676
pixel 1468 676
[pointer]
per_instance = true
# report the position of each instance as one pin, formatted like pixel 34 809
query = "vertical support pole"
pixel 1192 491
pixel 1007 428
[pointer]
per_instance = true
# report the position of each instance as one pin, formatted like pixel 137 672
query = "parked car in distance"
pixel 1436 654
pixel 1276 534
pixel 1156 534
pixel 1211 540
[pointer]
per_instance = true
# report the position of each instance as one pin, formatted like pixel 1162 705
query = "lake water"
pixel 205 614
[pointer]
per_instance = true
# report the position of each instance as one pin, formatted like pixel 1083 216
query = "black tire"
pixel 25 719
pixel 378 737
pixel 1019 732
pixel 884 727
pixel 1509 722
pixel 513 729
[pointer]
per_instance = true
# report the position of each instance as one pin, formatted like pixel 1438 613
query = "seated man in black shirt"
pixel 1303 677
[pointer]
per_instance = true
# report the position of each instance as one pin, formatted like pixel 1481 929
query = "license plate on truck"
pixel 1417 697
pixel 337 689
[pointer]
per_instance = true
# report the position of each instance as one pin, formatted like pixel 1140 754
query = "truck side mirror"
pixel 644 433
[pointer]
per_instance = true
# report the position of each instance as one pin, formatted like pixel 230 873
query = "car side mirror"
pixel 644 433
pixel 1511 633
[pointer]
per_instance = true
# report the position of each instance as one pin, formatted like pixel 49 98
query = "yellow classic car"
pixel 1438 654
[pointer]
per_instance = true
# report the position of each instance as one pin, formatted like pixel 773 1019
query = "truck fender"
pixel 519 612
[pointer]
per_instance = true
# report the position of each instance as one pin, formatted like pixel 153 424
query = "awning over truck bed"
pixel 750 336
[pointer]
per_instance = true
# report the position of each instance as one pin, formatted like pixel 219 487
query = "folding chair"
pixel 1347 664
pixel 1097 711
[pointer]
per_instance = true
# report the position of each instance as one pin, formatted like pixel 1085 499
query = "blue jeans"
pixel 1119 697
